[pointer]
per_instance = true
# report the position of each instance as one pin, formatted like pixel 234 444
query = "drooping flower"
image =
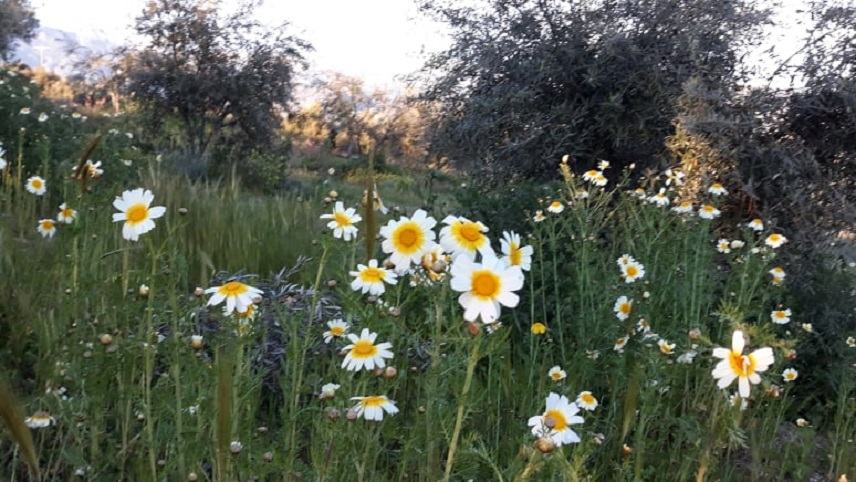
pixel 781 317
pixel 461 236
pixel 342 221
pixel 684 207
pixel 372 407
pixel 623 307
pixel 789 375
pixel 238 296
pixel 595 177
pixel 371 279
pixel 328 391
pixel 744 368
pixel 586 401
pixel 775 240
pixel 632 271
pixel 46 227
pixel 708 212
pixel 756 224
pixel 514 253
pixel 538 328
pixel 39 420
pixel 666 348
pixel 485 286
pixel 556 207
pixel 362 353
pixel 36 185
pixel 723 246
pixel 66 214
pixel 337 329
pixel 408 239
pixel 620 343
pixel 557 374
pixel 778 275
pixel 136 213
pixel 539 216
pixel 717 189
pixel 660 199
pixel 556 420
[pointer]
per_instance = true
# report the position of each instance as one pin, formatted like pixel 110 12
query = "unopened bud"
pixel 105 339
pixel 389 373
pixel 545 445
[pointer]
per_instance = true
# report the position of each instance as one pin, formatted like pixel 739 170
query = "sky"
pixel 377 40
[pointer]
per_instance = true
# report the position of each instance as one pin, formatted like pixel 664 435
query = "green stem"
pixel 459 420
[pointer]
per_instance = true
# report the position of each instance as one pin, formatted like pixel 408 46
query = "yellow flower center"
pixel 364 349
pixel 375 401
pixel 515 256
pixel 587 398
pixel 36 183
pixel 372 275
pixel 557 419
pixel 538 328
pixel 555 205
pixel 485 284
pixel 470 232
pixel 742 365
pixel 632 271
pixel 779 314
pixel 47 224
pixel 774 238
pixel 408 237
pixel 342 219
pixel 137 213
pixel 233 288
pixel 68 212
pixel 248 313
pixel 592 174
pixel 337 330
pixel 557 375
pixel 624 308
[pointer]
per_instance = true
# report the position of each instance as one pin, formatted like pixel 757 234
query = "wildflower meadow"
pixel 372 324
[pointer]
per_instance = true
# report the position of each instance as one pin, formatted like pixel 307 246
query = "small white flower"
pixel 756 224
pixel 337 329
pixel 708 212
pixel 586 401
pixel 328 391
pixel 781 317
pixel 43 117
pixel 660 199
pixel 723 246
pixel 775 240
pixel 36 185
pixel 372 407
pixel 623 307
pixel 789 375
pixel 687 358
pixel 557 374
pixel 717 189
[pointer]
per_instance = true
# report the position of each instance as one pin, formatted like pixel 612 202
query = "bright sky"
pixel 376 40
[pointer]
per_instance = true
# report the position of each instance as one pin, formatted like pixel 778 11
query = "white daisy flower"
pixel 342 221
pixel 136 213
pixel 603 165
pixel 708 212
pixel 337 329
pixel 43 117
pixel 624 259
pixel 781 317
pixel 632 271
pixel 556 421
pixel 25 111
pixel 717 189
pixel 736 365
pixel 778 275
pixel 789 375
pixel 586 401
pixel 461 236
pixel 539 216
pixel 737 244
pixel 623 307
pixel 687 358
pixel 372 407
pixel 556 207
pixel 46 227
pixel 756 224
pixel 775 240
pixel 408 239
pixel 238 296
pixel 36 185
pixel 362 353
pixel 557 374
pixel 514 253
pixel 370 279
pixel 66 214
pixel 723 246
pixel 485 286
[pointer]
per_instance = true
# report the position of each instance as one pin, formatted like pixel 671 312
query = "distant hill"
pixel 50 47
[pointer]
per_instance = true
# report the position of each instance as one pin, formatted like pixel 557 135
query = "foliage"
pixel 223 78
pixel 17 23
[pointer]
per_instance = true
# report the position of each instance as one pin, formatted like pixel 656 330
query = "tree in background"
pixel 223 79
pixel 17 22
pixel 527 81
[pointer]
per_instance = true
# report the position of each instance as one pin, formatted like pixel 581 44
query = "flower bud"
pixel 105 339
